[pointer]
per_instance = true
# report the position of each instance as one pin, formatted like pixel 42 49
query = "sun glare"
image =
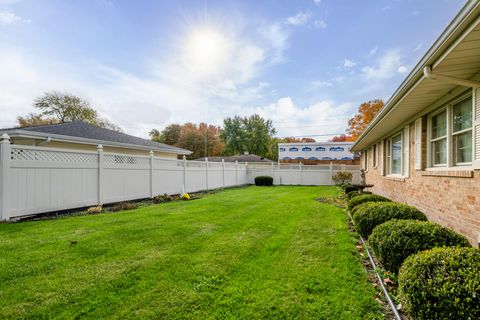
pixel 206 51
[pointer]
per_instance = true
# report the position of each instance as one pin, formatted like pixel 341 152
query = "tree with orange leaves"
pixel 342 138
pixel 191 136
pixel 359 122
pixel 297 140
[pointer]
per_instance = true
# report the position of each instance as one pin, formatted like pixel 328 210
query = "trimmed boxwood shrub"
pixel 441 283
pixel 356 193
pixel 349 188
pixel 371 214
pixel 365 198
pixel 395 240
pixel 263 181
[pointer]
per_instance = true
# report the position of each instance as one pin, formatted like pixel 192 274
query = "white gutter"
pixel 45 142
pixel 417 73
pixel 80 140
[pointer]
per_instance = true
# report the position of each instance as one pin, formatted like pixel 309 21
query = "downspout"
pixel 45 141
pixel 428 73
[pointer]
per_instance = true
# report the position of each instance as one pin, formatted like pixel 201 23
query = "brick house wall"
pixel 450 198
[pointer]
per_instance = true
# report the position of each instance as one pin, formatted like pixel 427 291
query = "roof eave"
pixel 65 138
pixel 458 24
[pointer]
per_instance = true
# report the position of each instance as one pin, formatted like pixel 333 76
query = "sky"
pixel 304 64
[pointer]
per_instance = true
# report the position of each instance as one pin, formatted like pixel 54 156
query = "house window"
pixel 282 149
pixel 396 154
pixel 374 155
pixel 462 132
pixel 319 149
pixel 306 149
pixel 438 139
pixel 337 149
pixel 293 149
pixel 450 135
pixel 388 156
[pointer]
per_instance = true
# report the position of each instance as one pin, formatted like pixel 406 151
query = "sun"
pixel 206 51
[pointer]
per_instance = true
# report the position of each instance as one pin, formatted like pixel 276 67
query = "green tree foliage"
pixel 253 134
pixel 56 107
pixel 170 135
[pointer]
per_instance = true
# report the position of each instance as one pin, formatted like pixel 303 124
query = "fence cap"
pixel 100 147
pixel 150 152
pixel 5 137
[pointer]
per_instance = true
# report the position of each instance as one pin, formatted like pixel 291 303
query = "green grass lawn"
pixel 247 253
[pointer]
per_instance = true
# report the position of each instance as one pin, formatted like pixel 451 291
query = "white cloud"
pixel 170 92
pixel 402 69
pixel 320 84
pixel 418 47
pixel 386 67
pixel 276 38
pixel 415 13
pixel 10 18
pixel 317 2
pixel 299 19
pixel 320 24
pixel 349 63
pixel 290 119
pixel 262 85
pixel 373 51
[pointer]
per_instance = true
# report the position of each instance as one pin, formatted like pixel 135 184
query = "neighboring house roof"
pixel 315 144
pixel 455 54
pixel 82 132
pixel 239 158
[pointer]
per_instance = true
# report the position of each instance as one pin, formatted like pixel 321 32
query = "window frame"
pixel 450 148
pixel 374 156
pixel 430 140
pixel 390 154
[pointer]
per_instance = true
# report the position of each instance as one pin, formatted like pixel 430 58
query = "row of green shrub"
pixel 439 273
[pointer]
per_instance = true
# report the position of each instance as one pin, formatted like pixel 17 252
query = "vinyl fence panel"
pixel 39 179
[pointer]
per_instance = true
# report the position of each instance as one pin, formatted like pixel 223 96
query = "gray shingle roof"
pixel 84 130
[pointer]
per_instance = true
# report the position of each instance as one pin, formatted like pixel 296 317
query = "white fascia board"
pixel 63 138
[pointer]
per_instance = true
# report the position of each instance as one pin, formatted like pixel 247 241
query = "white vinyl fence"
pixel 39 179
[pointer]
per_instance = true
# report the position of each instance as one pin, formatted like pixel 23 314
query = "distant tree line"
pixel 238 135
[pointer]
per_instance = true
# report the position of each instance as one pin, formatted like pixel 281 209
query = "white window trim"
pixel 375 156
pixel 449 108
pixel 389 156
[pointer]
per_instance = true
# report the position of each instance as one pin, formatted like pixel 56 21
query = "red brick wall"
pixel 315 162
pixel 450 198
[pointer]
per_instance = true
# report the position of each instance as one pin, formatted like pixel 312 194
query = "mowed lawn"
pixel 246 253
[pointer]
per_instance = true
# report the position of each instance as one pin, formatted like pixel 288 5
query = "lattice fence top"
pixel 124 159
pixel 56 156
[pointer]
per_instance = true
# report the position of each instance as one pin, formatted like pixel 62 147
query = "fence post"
pixel 272 169
pixel 184 174
pixel 206 173
pixel 331 173
pixel 100 174
pixel 151 173
pixel 301 172
pixel 4 175
pixel 236 172
pixel 223 173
